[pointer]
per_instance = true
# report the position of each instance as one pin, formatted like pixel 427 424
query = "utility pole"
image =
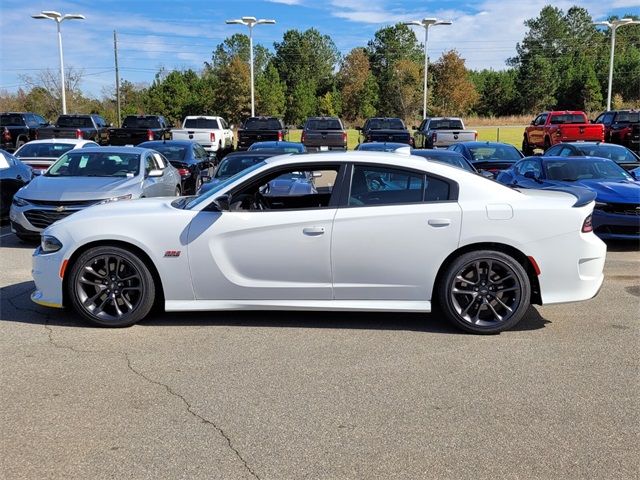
pixel 115 52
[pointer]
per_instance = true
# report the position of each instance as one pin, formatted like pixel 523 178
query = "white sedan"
pixel 377 232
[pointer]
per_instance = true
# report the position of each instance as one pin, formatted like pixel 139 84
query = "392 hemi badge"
pixel 172 253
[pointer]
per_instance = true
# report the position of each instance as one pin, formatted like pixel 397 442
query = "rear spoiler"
pixel 584 196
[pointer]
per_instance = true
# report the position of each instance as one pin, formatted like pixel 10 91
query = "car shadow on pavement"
pixel 16 306
pixel 622 245
pixel 11 241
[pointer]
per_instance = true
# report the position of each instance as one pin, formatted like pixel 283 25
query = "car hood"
pixel 610 191
pixel 79 188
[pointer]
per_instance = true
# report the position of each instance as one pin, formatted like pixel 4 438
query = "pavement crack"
pixel 193 412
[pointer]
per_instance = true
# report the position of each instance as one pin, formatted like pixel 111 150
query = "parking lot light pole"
pixel 613 25
pixel 426 23
pixel 251 22
pixel 59 18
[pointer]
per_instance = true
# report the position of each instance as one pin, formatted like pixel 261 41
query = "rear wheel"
pixel 526 148
pixel 177 192
pixel 547 144
pixel 484 292
pixel 111 287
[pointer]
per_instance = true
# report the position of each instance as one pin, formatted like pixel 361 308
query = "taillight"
pixel 79 134
pixel 368 138
pixel 184 172
pixel 344 137
pixel 150 135
pixel 587 225
pixel 302 138
pixel 6 135
pixel 212 137
pixel 434 137
pixel 475 136
pixel 279 136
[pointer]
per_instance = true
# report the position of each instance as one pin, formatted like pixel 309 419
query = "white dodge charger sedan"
pixel 377 232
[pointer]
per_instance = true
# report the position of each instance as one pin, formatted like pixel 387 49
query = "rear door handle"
pixel 439 222
pixel 313 231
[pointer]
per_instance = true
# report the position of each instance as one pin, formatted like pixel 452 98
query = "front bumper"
pixel 46 275
pixel 616 226
pixel 32 219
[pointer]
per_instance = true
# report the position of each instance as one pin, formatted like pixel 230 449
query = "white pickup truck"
pixel 212 133
pixel 439 132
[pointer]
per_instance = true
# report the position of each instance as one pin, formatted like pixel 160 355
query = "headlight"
pixel 115 199
pixel 19 202
pixel 50 244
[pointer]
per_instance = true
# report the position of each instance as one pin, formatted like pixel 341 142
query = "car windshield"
pixel 213 192
pixel 262 124
pixel 4 161
pixel 95 164
pixel 575 169
pixel 174 153
pixel 567 118
pixel 446 124
pixel 385 124
pixel 232 165
pixel 494 152
pixel 206 123
pixel 11 120
pixel 612 152
pixel 43 150
pixel 74 122
pixel 451 158
pixel 380 147
pixel 277 147
pixel 323 124
pixel 628 117
pixel 141 122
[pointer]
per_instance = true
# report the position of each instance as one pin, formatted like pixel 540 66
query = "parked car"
pixel 90 176
pixel 617 209
pixel 445 156
pixel 385 129
pixel 233 164
pixel 189 158
pixel 439 132
pixel 619 126
pixel 483 251
pixel 261 129
pixel 81 127
pixel 13 176
pixel 41 154
pixel 380 146
pixel 18 128
pixel 140 128
pixel 619 154
pixel 282 147
pixel 488 156
pixel 213 133
pixel 323 134
pixel 550 128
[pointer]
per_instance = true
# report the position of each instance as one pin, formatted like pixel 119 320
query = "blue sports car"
pixel 617 210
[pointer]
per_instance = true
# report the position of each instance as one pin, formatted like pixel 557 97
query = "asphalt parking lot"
pixel 320 395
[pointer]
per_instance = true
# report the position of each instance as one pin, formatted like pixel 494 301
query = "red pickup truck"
pixel 550 128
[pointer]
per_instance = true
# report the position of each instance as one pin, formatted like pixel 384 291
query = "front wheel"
pixel 526 148
pixel 111 287
pixel 484 292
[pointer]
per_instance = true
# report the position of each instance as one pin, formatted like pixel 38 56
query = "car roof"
pixel 570 159
pixel 278 143
pixel 70 141
pixel 485 144
pixel 253 153
pixel 592 144
pixel 153 143
pixel 438 152
pixel 136 150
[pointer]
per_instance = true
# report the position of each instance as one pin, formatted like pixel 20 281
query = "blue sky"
pixel 182 34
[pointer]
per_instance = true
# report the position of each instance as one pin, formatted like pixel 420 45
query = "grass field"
pixel 509 134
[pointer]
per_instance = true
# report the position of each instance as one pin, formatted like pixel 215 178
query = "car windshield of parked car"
pixel 275 147
pixel 385 124
pixel 567 118
pixel 494 152
pixel 206 123
pixel 628 117
pixel 173 153
pixel 95 164
pixel 74 122
pixel 323 124
pixel 232 165
pixel 4 162
pixel 141 122
pixel 380 147
pixel 446 124
pixel 578 169
pixel 43 150
pixel 612 152
pixel 262 124
pixel 213 192
pixel 454 159
pixel 9 120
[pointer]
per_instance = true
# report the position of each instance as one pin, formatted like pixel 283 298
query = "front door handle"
pixel 439 222
pixel 313 231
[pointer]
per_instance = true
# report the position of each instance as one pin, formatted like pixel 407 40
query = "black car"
pixel 140 128
pixel 13 176
pixel 445 156
pixel 18 128
pixel 490 156
pixel 261 129
pixel 385 129
pixel 235 163
pixel 619 154
pixel 87 127
pixel 189 157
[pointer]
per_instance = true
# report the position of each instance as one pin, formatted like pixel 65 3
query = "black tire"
pixel 98 281
pixel 547 144
pixel 178 192
pixel 526 148
pixel 484 292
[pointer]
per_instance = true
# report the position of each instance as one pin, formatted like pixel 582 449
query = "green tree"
pixel 358 86
pixel 270 93
pixel 302 103
pixel 497 91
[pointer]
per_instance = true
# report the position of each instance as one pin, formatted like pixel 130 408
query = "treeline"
pixel 562 62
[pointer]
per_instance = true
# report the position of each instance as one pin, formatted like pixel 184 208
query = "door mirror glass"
pixel 155 173
pixel 530 174
pixel 222 203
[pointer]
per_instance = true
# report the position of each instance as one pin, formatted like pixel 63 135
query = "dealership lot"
pixel 320 395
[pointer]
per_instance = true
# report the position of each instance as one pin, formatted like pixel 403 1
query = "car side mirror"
pixel 155 173
pixel 531 175
pixel 487 174
pixel 634 174
pixel 222 203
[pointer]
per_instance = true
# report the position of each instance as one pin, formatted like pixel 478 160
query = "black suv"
pixel 17 128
